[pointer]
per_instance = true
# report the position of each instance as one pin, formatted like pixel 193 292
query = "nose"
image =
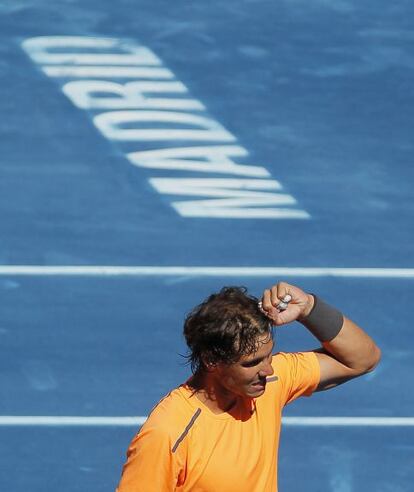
pixel 266 370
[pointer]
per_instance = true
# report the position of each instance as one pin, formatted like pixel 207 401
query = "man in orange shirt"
pixel 219 432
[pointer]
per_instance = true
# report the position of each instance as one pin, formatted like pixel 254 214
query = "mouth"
pixel 258 385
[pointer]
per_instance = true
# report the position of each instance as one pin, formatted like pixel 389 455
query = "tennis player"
pixel 219 431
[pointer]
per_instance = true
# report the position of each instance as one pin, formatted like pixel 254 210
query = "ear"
pixel 208 365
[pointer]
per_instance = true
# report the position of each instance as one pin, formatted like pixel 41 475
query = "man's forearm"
pixel 341 337
pixel 354 348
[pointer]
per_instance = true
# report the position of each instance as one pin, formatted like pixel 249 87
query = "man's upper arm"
pixel 333 373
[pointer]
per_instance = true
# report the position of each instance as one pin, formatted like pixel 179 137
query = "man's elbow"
pixel 373 360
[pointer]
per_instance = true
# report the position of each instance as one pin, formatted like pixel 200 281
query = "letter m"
pixel 230 198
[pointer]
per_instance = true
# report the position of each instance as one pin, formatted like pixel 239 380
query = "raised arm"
pixel 347 351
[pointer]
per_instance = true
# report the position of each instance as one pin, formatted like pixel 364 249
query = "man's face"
pixel 247 376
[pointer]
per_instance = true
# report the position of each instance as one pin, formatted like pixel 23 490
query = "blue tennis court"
pixel 153 152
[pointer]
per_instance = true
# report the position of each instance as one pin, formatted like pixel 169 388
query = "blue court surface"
pixel 154 151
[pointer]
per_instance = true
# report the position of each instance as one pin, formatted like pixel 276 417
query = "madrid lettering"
pixel 137 102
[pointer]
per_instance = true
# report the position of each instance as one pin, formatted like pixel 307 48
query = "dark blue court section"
pixel 320 93
pixel 357 459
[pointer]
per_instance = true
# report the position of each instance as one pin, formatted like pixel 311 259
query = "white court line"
pixel 349 421
pixel 65 421
pixel 213 271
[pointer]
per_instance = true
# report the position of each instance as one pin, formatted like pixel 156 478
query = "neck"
pixel 211 393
